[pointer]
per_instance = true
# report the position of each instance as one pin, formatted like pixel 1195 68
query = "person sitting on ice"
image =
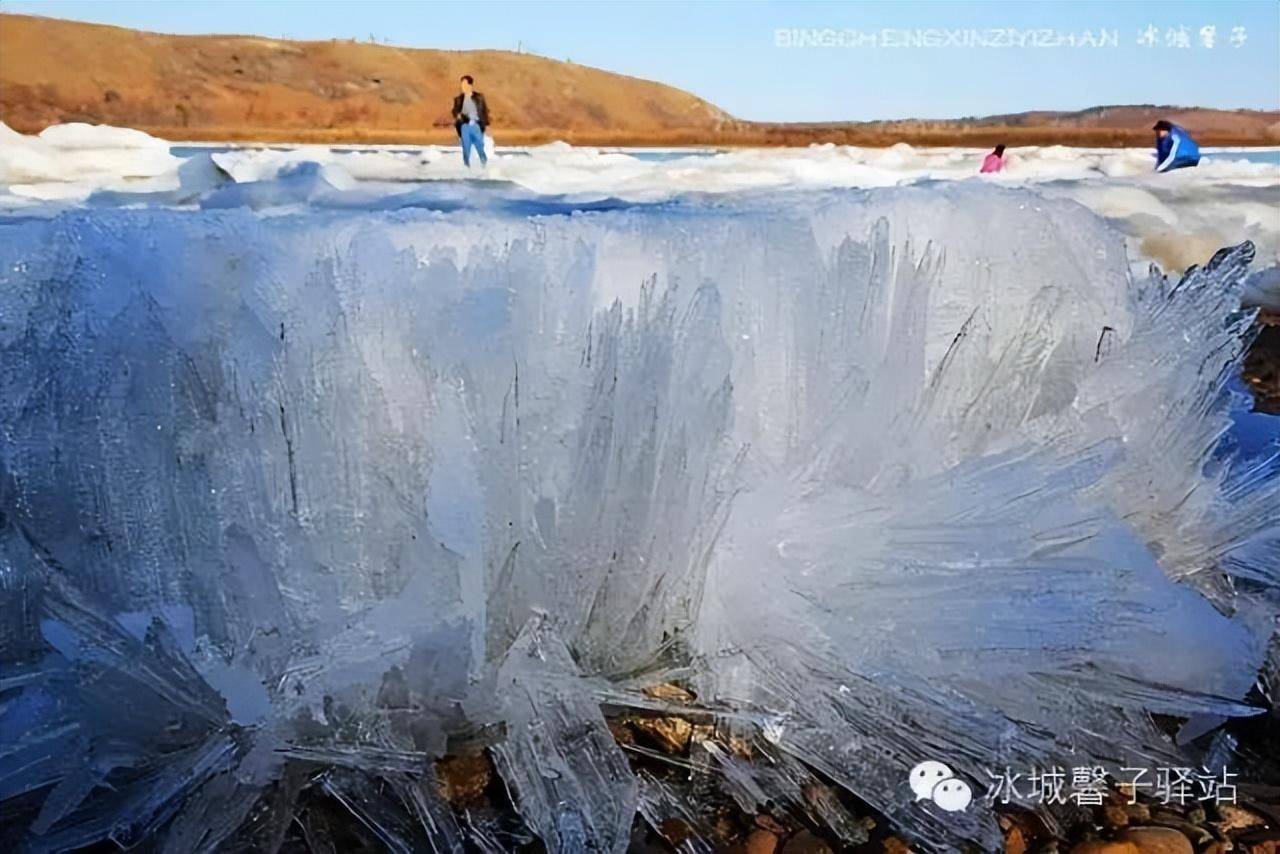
pixel 1175 149
pixel 994 161
pixel 470 118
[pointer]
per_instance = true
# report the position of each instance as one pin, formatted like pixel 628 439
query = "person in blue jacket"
pixel 1175 149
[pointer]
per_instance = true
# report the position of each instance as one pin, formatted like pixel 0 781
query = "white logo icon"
pixel 933 780
pixel 925 776
pixel 952 794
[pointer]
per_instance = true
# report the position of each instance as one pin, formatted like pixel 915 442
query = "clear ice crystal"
pixel 289 503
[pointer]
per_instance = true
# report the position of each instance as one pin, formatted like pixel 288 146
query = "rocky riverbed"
pixel 1262 365
pixel 676 749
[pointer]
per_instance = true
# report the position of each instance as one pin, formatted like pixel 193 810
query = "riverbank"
pixel 743 135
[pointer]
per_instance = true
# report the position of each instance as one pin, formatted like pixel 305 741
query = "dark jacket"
pixel 481 107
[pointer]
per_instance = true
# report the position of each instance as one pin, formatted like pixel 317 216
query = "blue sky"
pixel 730 53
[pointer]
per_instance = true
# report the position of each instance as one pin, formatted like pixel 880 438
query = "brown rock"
pixel 771 824
pixel 894 845
pixel 1197 834
pixel 670 735
pixel 805 842
pixel 723 828
pixel 1267 846
pixel 463 779
pixel 621 732
pixel 1138 812
pixel 1027 825
pixel 761 841
pixel 741 747
pixel 1237 818
pixel 675 831
pixel 669 692
pixel 1127 790
pixel 1014 841
pixel 1158 840
pixel 1102 846
pixel 1114 816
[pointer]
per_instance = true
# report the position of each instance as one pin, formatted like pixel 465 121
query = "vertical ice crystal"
pixel 568 774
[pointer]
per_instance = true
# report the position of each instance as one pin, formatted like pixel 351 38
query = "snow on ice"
pixel 1177 219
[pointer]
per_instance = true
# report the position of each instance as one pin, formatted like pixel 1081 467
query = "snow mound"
pixel 78 136
pixel 81 159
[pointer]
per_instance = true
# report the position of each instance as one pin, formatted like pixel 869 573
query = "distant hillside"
pixel 241 87
pixel 250 88
pixel 1097 126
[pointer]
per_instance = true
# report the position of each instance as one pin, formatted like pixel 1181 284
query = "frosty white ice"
pixel 1175 219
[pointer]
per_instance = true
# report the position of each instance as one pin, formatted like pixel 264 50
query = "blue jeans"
pixel 473 136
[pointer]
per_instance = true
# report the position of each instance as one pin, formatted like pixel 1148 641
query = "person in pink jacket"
pixel 994 161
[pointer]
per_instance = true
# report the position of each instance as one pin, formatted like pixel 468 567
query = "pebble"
pixel 462 779
pixel 1115 815
pixel 1196 833
pixel 1235 818
pixel 1158 840
pixel 771 824
pixel 621 732
pixel 761 842
pixel 675 831
pixel 1014 841
pixel 805 842
pixel 1102 846
pixel 669 692
pixel 671 735
pixel 1138 812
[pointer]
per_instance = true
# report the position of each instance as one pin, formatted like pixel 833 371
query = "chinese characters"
pixel 1182 37
pixel 1086 785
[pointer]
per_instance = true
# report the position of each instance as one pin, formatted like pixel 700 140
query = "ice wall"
pixel 289 501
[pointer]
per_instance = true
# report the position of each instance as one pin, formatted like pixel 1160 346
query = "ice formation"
pixel 1177 219
pixel 74 159
pixel 291 502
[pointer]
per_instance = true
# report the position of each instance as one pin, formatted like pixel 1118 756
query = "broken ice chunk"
pixel 570 779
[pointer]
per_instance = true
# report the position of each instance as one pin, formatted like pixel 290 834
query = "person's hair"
pixel 467 77
pixel 1162 125
pixel 1000 150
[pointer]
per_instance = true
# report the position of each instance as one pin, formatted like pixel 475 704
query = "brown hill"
pixel 1128 125
pixel 241 87
pixel 248 88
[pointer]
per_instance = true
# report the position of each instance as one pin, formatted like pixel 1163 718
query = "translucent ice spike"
pixel 569 778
